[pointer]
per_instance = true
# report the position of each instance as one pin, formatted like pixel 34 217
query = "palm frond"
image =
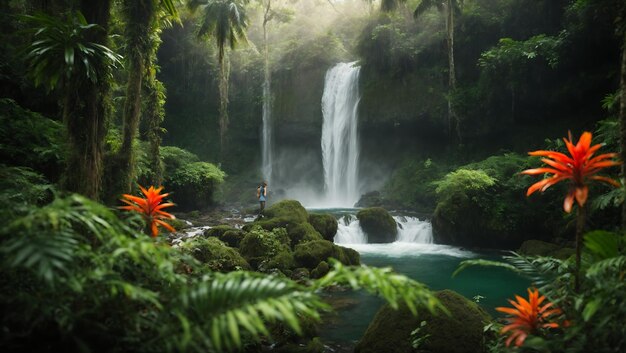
pixel 486 263
pixel 612 265
pixel 228 306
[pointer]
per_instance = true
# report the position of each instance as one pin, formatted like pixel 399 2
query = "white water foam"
pixel 415 238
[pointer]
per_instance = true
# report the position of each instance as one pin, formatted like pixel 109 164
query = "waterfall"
pixel 349 231
pixel 340 148
pixel 410 230
pixel 266 135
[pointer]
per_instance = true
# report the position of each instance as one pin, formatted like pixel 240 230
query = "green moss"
pixel 325 224
pixel 312 253
pixel 301 233
pixel 291 210
pixel 462 332
pixel 195 184
pixel 215 254
pixel 378 224
pixel 283 261
pixel 321 270
pixel 534 247
pixel 268 224
pixel 227 234
pixel 265 250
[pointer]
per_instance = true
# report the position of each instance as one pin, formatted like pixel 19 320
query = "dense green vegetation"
pixel 98 98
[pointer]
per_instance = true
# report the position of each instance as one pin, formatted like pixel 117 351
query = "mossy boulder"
pixel 227 234
pixel 312 253
pixel 290 210
pixel 325 224
pixel 266 250
pixel 269 223
pixel 321 270
pixel 535 247
pixel 215 254
pixel 301 233
pixel 378 224
pixel 461 332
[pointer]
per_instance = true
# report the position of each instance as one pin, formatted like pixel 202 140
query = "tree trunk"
pixel 580 227
pixel 86 114
pixel 622 120
pixel 140 17
pixel 154 116
pixel 223 89
pixel 132 112
pixel 454 125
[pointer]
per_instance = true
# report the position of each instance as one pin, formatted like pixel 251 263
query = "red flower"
pixel 580 166
pixel 527 317
pixel 150 207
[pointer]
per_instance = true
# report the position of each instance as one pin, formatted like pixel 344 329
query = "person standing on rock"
pixel 261 194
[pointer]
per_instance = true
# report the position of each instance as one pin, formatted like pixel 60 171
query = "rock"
pixel 370 199
pixel 534 247
pixel 227 234
pixel 215 254
pixel 312 253
pixel 300 274
pixel 321 270
pixel 378 224
pixel 265 250
pixel 325 224
pixel 462 332
pixel 301 233
pixel 290 210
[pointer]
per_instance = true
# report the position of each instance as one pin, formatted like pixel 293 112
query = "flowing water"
pixel 415 255
pixel 340 145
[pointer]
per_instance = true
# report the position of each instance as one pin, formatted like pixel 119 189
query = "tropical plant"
pixel 449 8
pixel 71 54
pixel 151 208
pixel 594 313
pixel 527 317
pixel 226 22
pixel 579 167
pixel 73 268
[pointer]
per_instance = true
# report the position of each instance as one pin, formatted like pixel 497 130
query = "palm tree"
pixel 226 21
pixel 142 23
pixel 449 8
pixel 70 54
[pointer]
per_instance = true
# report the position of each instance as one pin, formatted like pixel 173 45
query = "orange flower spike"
pixel 150 207
pixel 579 167
pixel 527 317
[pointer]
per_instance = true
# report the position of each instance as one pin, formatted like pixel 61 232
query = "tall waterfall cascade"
pixel 340 145
pixel 410 230
pixel 266 133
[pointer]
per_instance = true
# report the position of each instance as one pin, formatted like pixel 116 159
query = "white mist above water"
pixel 340 146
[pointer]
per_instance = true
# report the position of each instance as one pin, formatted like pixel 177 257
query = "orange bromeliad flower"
pixel 151 208
pixel 527 317
pixel 579 167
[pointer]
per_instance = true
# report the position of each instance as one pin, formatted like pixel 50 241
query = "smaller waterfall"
pixel 349 231
pixel 410 230
pixel 266 135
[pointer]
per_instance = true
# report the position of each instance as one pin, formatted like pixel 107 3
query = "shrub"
pixel 30 140
pixel 195 184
